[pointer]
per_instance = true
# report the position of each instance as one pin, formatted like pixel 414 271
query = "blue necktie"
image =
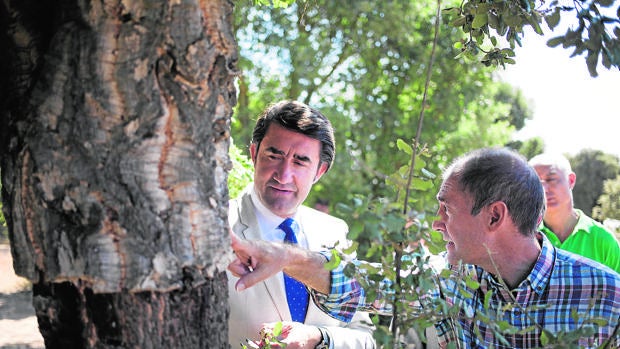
pixel 296 293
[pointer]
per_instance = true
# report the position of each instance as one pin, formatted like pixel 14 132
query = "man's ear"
pixel 253 152
pixel 572 179
pixel 320 171
pixel 498 212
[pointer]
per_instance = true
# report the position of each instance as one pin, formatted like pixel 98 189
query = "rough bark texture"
pixel 113 149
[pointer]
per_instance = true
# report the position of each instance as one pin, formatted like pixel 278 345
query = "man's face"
pixel 286 165
pixel 557 185
pixel 464 233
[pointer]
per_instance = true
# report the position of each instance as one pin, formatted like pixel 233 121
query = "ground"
pixel 18 324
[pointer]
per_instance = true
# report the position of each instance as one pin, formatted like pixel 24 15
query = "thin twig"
pixel 399 248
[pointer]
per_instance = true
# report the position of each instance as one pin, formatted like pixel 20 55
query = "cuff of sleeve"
pixel 344 296
pixel 327 338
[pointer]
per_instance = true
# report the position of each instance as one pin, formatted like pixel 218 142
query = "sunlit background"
pixel 572 110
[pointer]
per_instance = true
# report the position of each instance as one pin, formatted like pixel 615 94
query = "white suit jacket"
pixel 266 301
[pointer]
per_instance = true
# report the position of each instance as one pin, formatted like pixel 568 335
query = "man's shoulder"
pixel 240 207
pixel 598 233
pixel 572 265
pixel 234 204
pixel 590 224
pixel 311 213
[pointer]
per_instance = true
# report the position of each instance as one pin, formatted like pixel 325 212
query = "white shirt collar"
pixel 269 222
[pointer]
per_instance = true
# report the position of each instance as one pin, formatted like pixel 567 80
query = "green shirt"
pixel 589 239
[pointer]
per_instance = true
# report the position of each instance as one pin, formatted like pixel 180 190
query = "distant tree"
pixel 608 205
pixel 529 147
pixel 241 173
pixel 592 167
pixel 520 109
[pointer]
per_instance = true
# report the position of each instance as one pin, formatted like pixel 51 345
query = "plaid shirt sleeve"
pixel 346 296
pixel 446 333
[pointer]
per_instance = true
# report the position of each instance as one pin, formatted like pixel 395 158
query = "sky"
pixel 572 110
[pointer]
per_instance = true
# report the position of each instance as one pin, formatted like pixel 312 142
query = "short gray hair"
pixel 552 159
pixel 500 174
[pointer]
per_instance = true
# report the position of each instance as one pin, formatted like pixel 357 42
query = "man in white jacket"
pixel 292 147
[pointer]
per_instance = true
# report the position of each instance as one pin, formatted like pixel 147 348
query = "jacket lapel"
pixel 248 228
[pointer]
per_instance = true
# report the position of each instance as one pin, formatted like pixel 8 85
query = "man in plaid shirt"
pixel 490 204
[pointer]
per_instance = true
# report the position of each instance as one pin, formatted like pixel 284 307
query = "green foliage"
pixel 366 75
pixel 273 3
pixel 609 202
pixel 241 173
pixel 395 246
pixel 268 339
pixel 592 168
pixel 528 148
pixel 489 25
pixel 399 248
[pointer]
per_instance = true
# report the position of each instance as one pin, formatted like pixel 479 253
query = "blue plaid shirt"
pixel 563 293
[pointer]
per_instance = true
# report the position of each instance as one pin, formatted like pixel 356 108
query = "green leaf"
pixel 419 164
pixel 277 329
pixel 421 184
pixel 333 262
pixel 349 250
pixel 483 8
pixel 274 3
pixel 355 229
pixel 553 19
pixel 527 329
pixel 606 61
pixel 508 52
pixel 346 209
pixel 591 62
pixel 451 11
pixel 445 273
pixel 598 321
pixel 459 21
pixel 493 21
pixel 404 146
pixel 553 42
pixel 533 20
pixel 480 20
pixel 437 244
pixel 403 170
pixel 473 284
pixel 487 299
pixel 543 339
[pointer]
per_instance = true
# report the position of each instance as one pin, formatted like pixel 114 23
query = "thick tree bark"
pixel 114 142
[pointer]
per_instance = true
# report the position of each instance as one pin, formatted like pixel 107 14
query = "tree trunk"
pixel 114 154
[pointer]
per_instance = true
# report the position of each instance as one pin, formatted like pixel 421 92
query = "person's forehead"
pixel 448 189
pixel 283 139
pixel 547 169
pixel 452 194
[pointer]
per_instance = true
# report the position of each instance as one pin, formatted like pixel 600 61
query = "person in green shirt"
pixel 566 227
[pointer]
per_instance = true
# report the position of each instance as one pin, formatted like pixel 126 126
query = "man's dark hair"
pixel 301 118
pixel 499 174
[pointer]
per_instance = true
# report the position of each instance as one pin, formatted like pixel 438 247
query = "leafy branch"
pixel 596 35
